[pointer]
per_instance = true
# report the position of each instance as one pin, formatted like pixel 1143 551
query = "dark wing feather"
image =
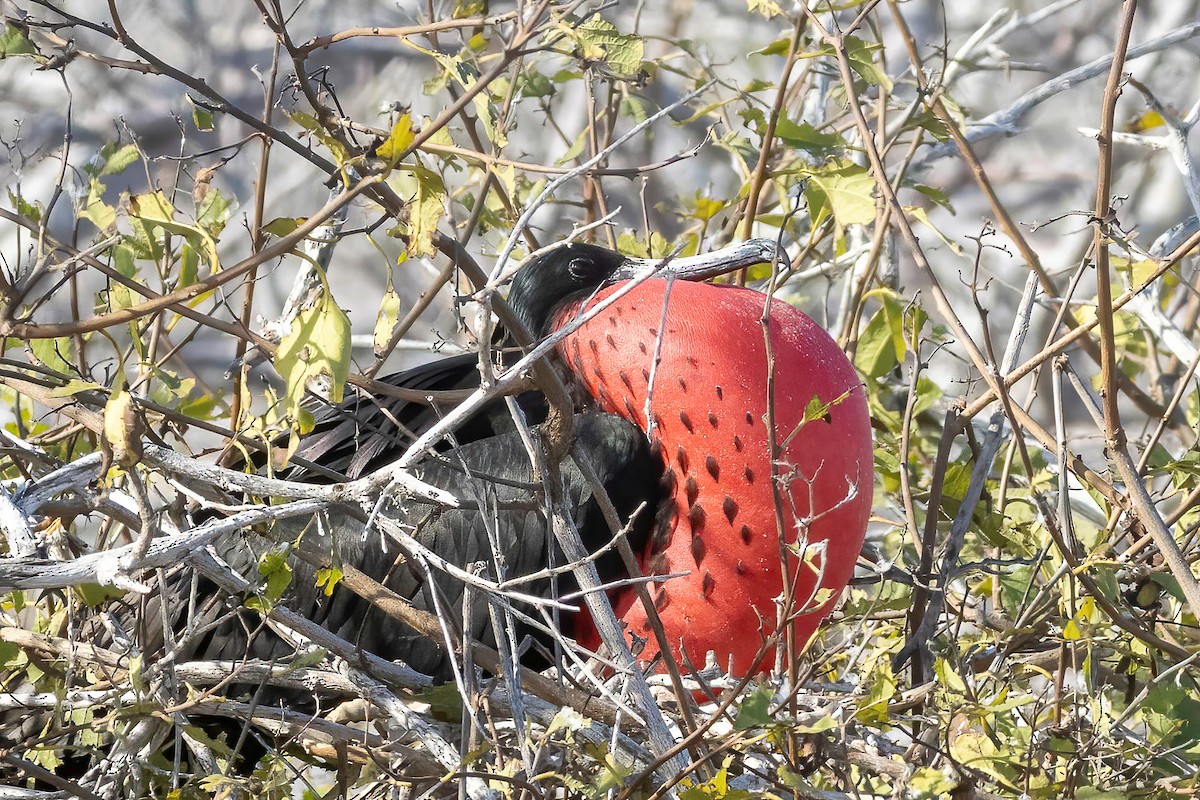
pixel 364 433
pixel 618 453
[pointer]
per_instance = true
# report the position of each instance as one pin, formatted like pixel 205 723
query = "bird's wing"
pixel 364 433
pixel 352 436
pixel 506 532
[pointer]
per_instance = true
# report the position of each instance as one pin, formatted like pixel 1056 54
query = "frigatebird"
pixel 731 419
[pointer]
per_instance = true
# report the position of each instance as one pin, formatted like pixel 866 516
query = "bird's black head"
pixel 566 273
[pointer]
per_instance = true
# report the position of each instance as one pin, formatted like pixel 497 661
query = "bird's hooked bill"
pixel 705 266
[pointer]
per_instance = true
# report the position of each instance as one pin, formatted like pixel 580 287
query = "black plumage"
pixel 489 465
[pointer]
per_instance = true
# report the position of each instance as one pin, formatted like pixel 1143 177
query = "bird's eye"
pixel 581 269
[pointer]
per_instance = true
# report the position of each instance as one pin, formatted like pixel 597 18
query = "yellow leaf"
pixel 1077 627
pixel 1147 121
pixel 153 210
pixel 398 141
pixel 122 429
pixel 427 207
pixel 318 345
pixel 385 322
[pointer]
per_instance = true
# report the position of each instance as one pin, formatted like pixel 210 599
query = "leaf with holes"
pixel 599 40
pixel 427 206
pixel 317 346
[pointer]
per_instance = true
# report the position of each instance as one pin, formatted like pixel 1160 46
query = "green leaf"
pixel 881 688
pixel 445 703
pixel 936 195
pixel 309 123
pixel 202 407
pixel 1169 584
pixel 274 567
pixel 212 211
pixel 125 259
pixel 328 578
pixel 843 189
pixel 805 137
pixel 950 680
pixel 1080 625
pixel 887 467
pixel 931 123
pixel 877 354
pixel 113 160
pixel 816 410
pixel 818 725
pixel 73 387
pixel 94 595
pixel 10 654
pixel 175 386
pixel 715 788
pixel 930 782
pixel 600 41
pixel 922 217
pixel 219 747
pixel 152 206
pixel 318 345
pixel 100 213
pixel 535 84
pixel 778 47
pixel 955 485
pixel 202 118
pixel 928 394
pixel 862 61
pixel 1179 705
pixel 259 604
pixel 489 115
pixel 567 719
pixel 1093 793
pixel 706 208
pixel 575 149
pixel 30 211
pixel 121 436
pixel 58 354
pixel 754 711
pixel 611 777
pixel 427 207
pixel 309 658
pixel 14 42
pixel 189 265
pixel 767 8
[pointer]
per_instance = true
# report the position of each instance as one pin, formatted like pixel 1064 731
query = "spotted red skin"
pixel 709 406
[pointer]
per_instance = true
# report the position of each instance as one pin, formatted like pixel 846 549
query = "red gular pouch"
pixel 725 388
